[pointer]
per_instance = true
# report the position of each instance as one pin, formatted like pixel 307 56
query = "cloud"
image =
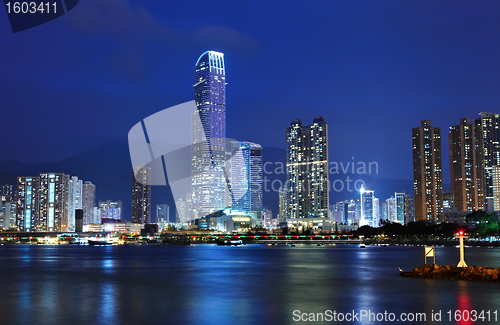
pixel 128 23
pixel 223 37
pixel 133 33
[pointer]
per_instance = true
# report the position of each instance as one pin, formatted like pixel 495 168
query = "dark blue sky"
pixel 373 69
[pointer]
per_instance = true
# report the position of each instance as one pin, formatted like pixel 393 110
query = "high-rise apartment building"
pixel 427 172
pixel 307 184
pixel 208 136
pixel 489 123
pixel 75 192
pixel 88 202
pixel 141 195
pixel 54 209
pixel 48 202
pixel 466 165
pixel 28 205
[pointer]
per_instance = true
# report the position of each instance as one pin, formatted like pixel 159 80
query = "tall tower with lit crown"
pixel 208 136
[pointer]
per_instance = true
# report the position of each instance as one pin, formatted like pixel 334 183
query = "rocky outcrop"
pixel 472 273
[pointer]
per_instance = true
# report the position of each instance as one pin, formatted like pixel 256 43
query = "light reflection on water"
pixel 209 284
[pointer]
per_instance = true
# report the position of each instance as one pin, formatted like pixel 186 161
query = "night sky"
pixel 373 69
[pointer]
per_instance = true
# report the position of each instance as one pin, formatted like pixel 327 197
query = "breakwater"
pixel 471 273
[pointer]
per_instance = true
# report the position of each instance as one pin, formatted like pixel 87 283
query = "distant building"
pixel 246 179
pixel 7 193
pixel 427 172
pixel 74 200
pixel 7 215
pixel 54 212
pixel 48 202
pixel 400 201
pixel 307 174
pixel 114 227
pixel 7 207
pixel 354 212
pixel 283 205
pixel 448 201
pixel 88 202
pixel 391 210
pixel 110 211
pixel 96 216
pixel 466 165
pixel 368 216
pixel 342 212
pixel 409 209
pixel 267 218
pixel 162 213
pixel 141 195
pixel 183 210
pixel 28 205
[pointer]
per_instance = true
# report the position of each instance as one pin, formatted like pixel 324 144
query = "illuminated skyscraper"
pixel 246 179
pixel 466 165
pixel 368 210
pixel 427 172
pixel 400 199
pixel 208 176
pixel 88 202
pixel 74 199
pixel 141 195
pixel 54 212
pixel 489 123
pixel 307 170
pixel 28 196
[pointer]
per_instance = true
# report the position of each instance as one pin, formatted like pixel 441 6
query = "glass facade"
pixel 208 137
pixel 246 179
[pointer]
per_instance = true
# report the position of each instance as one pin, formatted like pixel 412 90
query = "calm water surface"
pixel 209 284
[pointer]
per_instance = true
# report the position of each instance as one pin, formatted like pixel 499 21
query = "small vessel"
pixel 99 242
pixel 362 246
pixel 229 242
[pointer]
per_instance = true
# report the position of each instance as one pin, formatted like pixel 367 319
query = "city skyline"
pixel 372 136
pixel 435 62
